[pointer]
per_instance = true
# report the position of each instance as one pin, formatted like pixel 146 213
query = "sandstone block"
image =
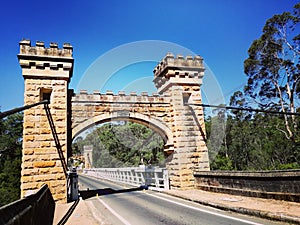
pixel 60 176
pixel 57 170
pixel 27 165
pixel 57 183
pixel 60 198
pixel 29 172
pixel 43 157
pixel 45 144
pixel 39 151
pixel 26 179
pixel 44 164
pixel 28 138
pixel 45 131
pixel 27 125
pixel 44 170
pixel 30 186
pixel 44 177
pixel 28 151
pixel 29 158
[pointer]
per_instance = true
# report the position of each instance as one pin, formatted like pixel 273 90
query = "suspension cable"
pixel 247 109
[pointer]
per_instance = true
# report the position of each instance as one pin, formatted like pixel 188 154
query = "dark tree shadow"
pixel 107 191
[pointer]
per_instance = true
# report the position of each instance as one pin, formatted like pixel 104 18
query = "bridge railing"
pixel 148 176
pixel 34 209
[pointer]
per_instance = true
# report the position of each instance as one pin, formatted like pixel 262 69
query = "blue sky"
pixel 221 31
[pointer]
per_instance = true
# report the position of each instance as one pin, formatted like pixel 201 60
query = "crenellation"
pixel 96 92
pixel 53 45
pixel 109 92
pixel 83 92
pixel 121 93
pixel 40 50
pixel 40 44
pixel 109 97
pixel 179 63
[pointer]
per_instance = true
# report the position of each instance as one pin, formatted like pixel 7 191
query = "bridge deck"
pixel 271 209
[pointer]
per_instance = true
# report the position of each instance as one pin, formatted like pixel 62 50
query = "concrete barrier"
pixel 35 209
pixel 280 185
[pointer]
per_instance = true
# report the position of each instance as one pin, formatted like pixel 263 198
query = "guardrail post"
pixel 72 185
pixel 166 179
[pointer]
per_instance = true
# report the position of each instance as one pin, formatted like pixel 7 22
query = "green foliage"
pixel 124 144
pixel 10 158
pixel 253 143
pixel 273 68
pixel 256 141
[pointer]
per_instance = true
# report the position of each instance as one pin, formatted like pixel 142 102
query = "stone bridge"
pixel 47 135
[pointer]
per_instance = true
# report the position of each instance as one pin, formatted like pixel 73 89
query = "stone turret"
pixel 40 50
pixel 180 80
pixel 178 71
pixel 46 72
pixel 39 61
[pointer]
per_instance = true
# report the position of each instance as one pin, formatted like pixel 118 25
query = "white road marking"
pixel 203 210
pixel 93 210
pixel 114 212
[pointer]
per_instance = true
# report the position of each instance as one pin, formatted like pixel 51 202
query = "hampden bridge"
pixel 49 129
pixel 55 115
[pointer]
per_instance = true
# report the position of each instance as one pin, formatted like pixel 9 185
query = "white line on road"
pixel 203 210
pixel 96 216
pixel 114 212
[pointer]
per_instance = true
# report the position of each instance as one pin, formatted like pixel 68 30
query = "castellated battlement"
pixel 179 63
pixel 40 50
pixel 109 96
pixel 178 71
pixel 39 61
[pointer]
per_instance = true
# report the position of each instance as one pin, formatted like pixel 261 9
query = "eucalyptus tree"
pixel 273 68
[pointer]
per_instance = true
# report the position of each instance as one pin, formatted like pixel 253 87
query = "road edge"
pixel 241 210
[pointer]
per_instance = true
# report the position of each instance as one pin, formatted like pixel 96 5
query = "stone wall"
pixel 281 185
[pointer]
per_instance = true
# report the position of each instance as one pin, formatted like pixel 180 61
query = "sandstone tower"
pixel 180 79
pixel 46 72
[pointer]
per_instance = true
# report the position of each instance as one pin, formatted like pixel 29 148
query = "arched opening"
pixel 148 121
pixel 111 142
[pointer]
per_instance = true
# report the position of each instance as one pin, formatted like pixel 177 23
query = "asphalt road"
pixel 111 203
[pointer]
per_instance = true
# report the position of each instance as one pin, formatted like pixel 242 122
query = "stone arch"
pixel 153 123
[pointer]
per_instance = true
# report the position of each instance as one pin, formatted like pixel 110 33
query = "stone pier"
pixel 46 72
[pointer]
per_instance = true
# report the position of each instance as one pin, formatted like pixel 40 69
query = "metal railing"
pixel 148 176
pixel 34 209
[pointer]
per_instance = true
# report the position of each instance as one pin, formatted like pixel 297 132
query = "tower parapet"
pixel 40 50
pixel 179 70
pixel 39 61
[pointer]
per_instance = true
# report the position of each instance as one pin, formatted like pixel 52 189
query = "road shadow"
pixel 107 191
